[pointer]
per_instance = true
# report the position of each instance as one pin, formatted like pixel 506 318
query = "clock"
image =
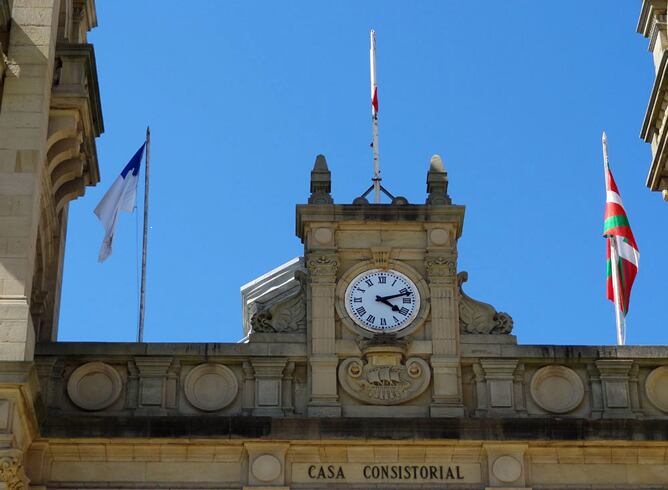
pixel 382 300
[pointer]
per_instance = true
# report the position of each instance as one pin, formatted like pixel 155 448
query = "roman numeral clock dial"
pixel 382 300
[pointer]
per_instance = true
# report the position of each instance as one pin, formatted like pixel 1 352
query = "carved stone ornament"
pixel 381 377
pixel 211 387
pixel 322 264
pixel 441 266
pixel 286 316
pixel 11 470
pixel 656 388
pixel 94 386
pixel 557 389
pixel 476 317
pixel 381 257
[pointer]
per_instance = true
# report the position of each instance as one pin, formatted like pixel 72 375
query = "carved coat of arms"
pixel 381 377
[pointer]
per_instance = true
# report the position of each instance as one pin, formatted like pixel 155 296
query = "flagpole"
pixel 374 118
pixel 142 295
pixel 614 261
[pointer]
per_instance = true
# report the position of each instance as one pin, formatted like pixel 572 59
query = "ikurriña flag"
pixel 121 196
pixel 616 227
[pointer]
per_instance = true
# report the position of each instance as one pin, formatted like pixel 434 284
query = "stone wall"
pixel 500 380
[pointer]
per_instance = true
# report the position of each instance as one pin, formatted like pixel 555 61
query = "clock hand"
pixel 393 296
pixel 386 302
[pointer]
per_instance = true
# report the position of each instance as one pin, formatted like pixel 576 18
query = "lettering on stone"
pixel 374 473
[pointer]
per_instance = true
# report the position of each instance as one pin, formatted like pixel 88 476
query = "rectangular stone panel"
pixel 617 394
pixel 578 474
pixel 193 472
pixel 151 393
pixel 4 414
pixel 501 394
pixel 88 471
pixel 267 392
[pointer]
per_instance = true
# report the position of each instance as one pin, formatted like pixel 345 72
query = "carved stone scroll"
pixel 441 268
pixel 381 377
pixel 322 266
pixel 476 317
pixel 11 470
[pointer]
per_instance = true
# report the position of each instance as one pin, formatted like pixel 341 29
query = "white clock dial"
pixel 382 300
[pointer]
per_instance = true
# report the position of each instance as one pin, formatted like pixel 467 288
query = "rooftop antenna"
pixel 374 119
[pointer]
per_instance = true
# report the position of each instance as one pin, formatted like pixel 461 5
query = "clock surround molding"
pixel 349 275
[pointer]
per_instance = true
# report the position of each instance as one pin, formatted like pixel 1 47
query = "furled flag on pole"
pixel 121 196
pixel 622 251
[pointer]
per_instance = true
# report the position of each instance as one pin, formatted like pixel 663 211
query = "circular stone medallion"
pixel 323 235
pixel 557 389
pixel 211 387
pixel 266 468
pixel 656 388
pixel 94 386
pixel 507 469
pixel 439 236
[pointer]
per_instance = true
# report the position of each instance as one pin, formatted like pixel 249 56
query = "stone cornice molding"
pixel 655 121
pixel 11 469
pixel 658 24
pixel 360 213
pixel 86 52
pixel 647 14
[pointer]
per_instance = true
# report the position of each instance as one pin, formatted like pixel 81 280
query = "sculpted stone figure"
pixel 476 317
pixel 288 315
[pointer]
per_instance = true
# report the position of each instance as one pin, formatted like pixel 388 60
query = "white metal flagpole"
pixel 614 260
pixel 374 118
pixel 142 296
pixel 621 323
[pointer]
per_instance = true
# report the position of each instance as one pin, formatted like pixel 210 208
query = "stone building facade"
pixel 340 381
pixel 652 25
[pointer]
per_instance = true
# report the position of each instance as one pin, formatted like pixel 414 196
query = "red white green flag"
pixel 616 228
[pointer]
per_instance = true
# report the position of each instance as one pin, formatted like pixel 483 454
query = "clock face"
pixel 382 300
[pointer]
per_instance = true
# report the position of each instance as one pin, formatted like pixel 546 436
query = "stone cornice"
pixel 653 115
pixel 654 110
pixel 86 51
pixel 352 429
pixel 414 213
pixel 111 351
pixel 647 12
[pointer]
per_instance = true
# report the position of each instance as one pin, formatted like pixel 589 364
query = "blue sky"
pixel 242 95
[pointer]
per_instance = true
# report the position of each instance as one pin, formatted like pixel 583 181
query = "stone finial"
pixel 437 183
pixel 321 182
